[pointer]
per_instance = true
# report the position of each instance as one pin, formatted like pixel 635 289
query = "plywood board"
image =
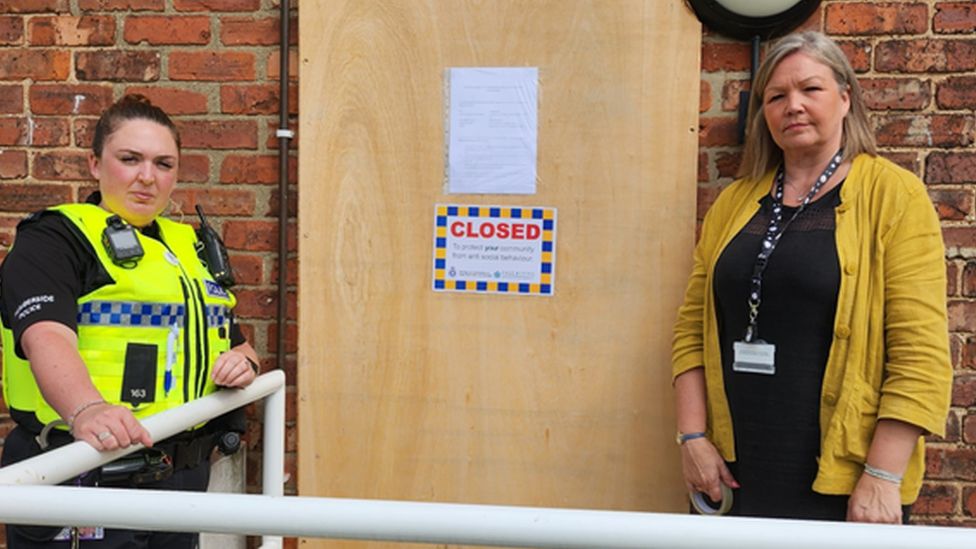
pixel 561 401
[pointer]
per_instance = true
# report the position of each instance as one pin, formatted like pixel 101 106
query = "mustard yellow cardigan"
pixel 889 356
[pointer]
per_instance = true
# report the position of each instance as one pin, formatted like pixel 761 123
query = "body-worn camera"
pixel 121 242
pixel 213 253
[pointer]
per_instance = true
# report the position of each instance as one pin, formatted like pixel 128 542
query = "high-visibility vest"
pixel 149 338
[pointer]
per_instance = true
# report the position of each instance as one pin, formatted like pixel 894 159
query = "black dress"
pixel 776 417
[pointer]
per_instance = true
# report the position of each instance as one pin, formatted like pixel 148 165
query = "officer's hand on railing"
pixel 108 427
pixel 233 369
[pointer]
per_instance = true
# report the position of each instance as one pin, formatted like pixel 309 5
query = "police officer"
pixel 109 316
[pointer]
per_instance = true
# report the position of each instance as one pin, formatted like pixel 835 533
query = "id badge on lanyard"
pixel 751 354
pixel 80 533
pixel 756 357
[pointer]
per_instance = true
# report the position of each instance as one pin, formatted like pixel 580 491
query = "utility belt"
pixel 157 463
pixel 183 451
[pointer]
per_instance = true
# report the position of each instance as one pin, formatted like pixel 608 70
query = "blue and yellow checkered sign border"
pixel 548 216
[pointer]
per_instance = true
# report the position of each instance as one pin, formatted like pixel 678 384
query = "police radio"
pixel 121 242
pixel 213 253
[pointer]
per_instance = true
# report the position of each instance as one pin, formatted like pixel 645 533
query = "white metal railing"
pixel 73 459
pixel 450 523
pixel 272 515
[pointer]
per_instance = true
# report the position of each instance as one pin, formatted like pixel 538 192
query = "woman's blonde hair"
pixel 761 153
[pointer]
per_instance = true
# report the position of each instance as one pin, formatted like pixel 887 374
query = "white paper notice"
pixel 492 130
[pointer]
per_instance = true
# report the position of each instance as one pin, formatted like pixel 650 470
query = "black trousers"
pixel 20 445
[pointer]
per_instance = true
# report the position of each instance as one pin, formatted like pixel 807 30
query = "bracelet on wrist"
pixel 81 408
pixel 682 438
pixel 882 474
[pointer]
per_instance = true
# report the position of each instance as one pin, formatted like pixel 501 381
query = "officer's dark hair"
pixel 132 106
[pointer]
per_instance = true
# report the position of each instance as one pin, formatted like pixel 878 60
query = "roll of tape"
pixel 701 505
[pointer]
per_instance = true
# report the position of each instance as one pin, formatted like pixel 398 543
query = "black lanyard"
pixel 774 232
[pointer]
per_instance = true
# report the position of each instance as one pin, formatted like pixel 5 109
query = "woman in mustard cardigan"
pixel 811 353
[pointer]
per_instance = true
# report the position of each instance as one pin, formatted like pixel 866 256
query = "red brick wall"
pixel 213 65
pixel 917 63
